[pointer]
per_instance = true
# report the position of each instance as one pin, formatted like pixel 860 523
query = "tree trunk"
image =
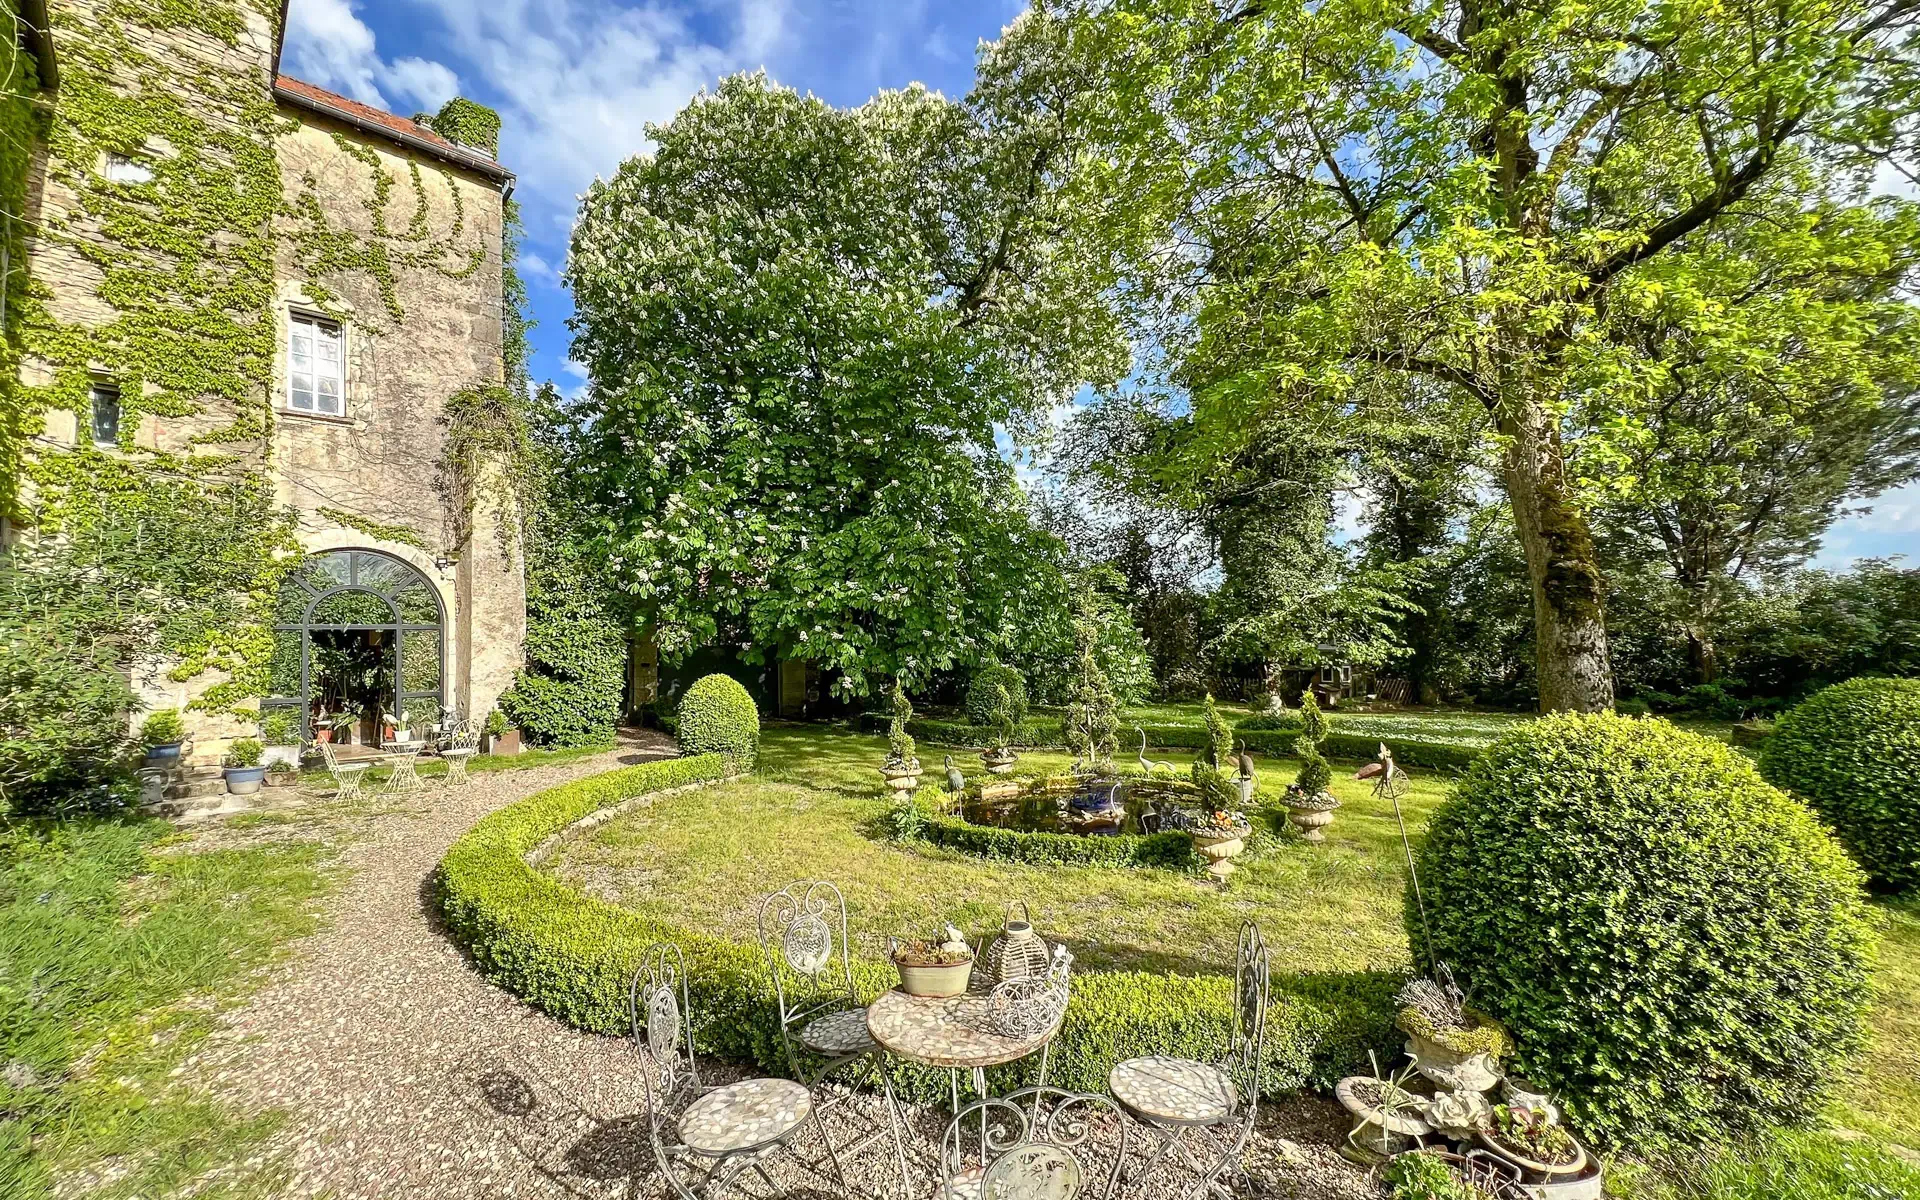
pixel 1569 619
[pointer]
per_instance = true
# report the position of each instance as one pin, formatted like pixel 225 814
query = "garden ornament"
pixel 1148 765
pixel 956 782
pixel 1245 761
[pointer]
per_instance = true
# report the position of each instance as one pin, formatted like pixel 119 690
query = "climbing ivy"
pixel 467 123
pixel 406 535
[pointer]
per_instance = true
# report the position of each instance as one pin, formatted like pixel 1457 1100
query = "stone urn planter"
pixel 1459 1060
pixel 1217 837
pixel 1309 816
pixel 1380 1130
pixel 902 778
pixel 998 762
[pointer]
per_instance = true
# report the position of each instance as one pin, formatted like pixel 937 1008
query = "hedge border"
pixel 1347 747
pixel 571 956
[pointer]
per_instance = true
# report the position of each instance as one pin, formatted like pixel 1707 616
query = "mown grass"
pixel 116 956
pixel 702 858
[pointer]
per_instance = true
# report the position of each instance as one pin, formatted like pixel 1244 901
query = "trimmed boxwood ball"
pixel 980 695
pixel 1852 751
pixel 1678 948
pixel 717 716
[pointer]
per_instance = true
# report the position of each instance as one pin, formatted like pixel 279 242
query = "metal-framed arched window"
pixel 362 598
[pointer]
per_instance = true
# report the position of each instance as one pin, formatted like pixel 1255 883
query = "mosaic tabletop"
pixel 1173 1089
pixel 743 1115
pixel 947 1031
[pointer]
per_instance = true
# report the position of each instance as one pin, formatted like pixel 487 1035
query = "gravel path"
pixel 405 1074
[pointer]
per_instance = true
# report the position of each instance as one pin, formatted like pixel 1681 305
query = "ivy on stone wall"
pixel 467 123
pixel 406 535
pixel 22 126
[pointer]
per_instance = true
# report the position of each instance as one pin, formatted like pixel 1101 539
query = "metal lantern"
pixel 1019 952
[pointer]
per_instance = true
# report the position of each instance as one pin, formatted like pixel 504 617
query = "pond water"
pixel 1094 807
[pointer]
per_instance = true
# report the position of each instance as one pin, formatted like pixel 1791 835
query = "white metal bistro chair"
pixel 1174 1097
pixel 458 744
pixel 712 1134
pixel 349 774
pixel 823 1025
pixel 1034 1142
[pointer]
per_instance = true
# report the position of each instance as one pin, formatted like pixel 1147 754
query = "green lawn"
pixel 702 857
pixel 118 950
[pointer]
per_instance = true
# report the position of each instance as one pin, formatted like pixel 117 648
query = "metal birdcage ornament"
pixel 1019 952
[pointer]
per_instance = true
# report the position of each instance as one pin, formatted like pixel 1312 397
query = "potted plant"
pixel 1385 1113
pixel 243 770
pixel 1309 804
pixel 902 768
pixel 1449 1043
pixel 1218 832
pixel 340 724
pixel 420 716
pixel 1531 1142
pixel 933 966
pixel 282 775
pixel 163 733
pixel 500 738
pixel 1430 1174
pixel 1000 757
pixel 281 733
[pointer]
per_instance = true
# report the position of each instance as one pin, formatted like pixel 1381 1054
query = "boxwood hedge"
pixel 717 716
pixel 1852 751
pixel 1044 732
pixel 1679 949
pixel 571 956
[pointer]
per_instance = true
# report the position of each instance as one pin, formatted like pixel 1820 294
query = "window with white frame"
pixel 121 169
pixel 316 369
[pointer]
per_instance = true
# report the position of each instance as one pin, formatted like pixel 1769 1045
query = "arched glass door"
pixel 357 632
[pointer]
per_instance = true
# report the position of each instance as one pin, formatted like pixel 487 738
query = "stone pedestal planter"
pixel 1451 1069
pixel 901 779
pixel 998 762
pixel 1310 820
pixel 1218 849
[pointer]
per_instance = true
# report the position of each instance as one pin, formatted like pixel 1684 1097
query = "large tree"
pixel 1320 201
pixel 804 327
pixel 1772 379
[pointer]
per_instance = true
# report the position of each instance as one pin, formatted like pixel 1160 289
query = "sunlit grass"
pixel 704 858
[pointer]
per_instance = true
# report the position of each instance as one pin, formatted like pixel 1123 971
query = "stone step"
pixel 193 788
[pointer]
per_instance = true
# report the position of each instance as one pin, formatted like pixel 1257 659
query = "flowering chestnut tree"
pixel 804 328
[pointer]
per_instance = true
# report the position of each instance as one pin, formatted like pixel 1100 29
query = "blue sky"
pixel 576 82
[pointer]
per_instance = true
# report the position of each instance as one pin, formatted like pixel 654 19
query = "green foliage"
pixel 115 962
pixel 717 716
pixel 899 741
pixel 1678 948
pixel 245 752
pixel 468 123
pixel 280 727
pixel 381 531
pixel 496 724
pixel 1314 774
pixel 981 697
pixel 488 453
pixel 1219 736
pixel 804 326
pixel 569 691
pixel 1424 1176
pixel 1796 1164
pixel 1852 752
pixel 163 728
pixel 1216 794
pixel 572 956
pixel 1092 724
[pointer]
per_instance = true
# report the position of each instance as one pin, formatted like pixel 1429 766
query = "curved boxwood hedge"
pixel 571 956
pixel 1044 733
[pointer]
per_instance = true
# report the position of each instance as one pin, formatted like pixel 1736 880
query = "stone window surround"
pixel 293 301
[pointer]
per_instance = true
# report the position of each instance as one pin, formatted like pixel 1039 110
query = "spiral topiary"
pixel 981 698
pixel 1852 752
pixel 1678 948
pixel 717 716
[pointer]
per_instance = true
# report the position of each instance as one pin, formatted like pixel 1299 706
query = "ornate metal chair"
pixel 459 742
pixel 348 774
pixel 719 1132
pixel 1172 1097
pixel 803 933
pixel 1035 1142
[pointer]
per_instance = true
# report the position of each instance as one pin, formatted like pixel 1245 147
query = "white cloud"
pixel 536 270
pixel 330 46
pixel 429 84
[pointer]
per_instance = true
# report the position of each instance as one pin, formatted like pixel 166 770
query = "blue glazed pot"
pixel 245 781
pixel 164 754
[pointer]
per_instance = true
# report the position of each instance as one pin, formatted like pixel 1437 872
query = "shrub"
pixel 717 716
pixel 980 693
pixel 1852 751
pixel 280 727
pixel 1677 947
pixel 1314 775
pixel 245 752
pixel 163 728
pixel 572 956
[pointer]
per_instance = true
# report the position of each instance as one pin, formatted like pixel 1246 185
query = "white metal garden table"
pixel 403 757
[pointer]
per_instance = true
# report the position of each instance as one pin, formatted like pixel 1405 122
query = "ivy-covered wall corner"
pixel 467 123
pixel 23 127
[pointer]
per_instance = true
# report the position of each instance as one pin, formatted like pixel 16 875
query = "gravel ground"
pixel 405 1074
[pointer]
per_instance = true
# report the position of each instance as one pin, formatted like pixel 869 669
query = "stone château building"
pixel 225 261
